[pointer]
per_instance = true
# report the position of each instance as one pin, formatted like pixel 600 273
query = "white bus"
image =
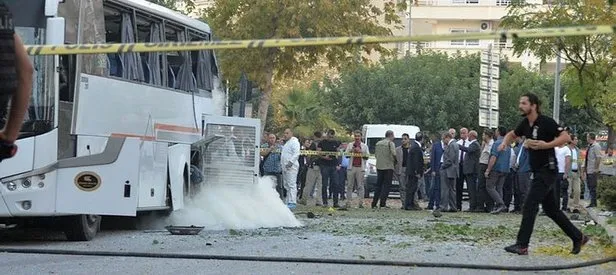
pixel 373 133
pixel 118 134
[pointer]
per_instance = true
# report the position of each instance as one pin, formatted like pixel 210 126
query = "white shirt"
pixel 442 145
pixel 574 159
pixel 465 143
pixel 290 153
pixel 561 154
pixel 485 153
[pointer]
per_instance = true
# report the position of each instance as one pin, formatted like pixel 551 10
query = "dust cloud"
pixel 220 206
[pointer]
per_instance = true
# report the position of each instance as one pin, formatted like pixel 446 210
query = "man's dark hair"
pixel 534 100
pixel 573 136
pixel 419 136
pixel 357 132
pixel 592 136
pixel 318 134
pixel 488 132
pixel 502 131
pixel 406 135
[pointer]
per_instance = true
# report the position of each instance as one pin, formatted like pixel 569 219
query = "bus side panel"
pixel 22 161
pixel 87 187
pixel 46 149
pixel 179 157
pixel 153 174
pixel 108 106
pixel 89 145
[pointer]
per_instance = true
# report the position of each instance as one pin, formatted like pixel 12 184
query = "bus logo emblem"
pixel 88 181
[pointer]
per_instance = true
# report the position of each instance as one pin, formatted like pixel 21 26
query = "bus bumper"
pixel 29 196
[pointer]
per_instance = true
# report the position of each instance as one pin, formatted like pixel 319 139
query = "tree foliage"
pixel 435 92
pixel 253 19
pixel 303 112
pixel 592 59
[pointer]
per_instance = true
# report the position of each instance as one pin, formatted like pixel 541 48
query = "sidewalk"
pixel 601 218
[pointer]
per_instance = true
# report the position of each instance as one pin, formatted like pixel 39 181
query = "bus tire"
pixel 82 227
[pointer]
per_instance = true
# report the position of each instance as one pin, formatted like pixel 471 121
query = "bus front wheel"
pixel 82 227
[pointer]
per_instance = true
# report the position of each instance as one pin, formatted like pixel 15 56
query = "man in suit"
pixel 471 170
pixel 402 153
pixel 414 171
pixel 462 142
pixel 436 159
pixel 449 174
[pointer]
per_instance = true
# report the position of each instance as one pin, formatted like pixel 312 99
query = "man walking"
pixel 485 202
pixel 462 142
pixel 289 160
pixel 522 174
pixel 436 159
pixel 471 169
pixel 414 172
pixel 563 158
pixel 593 160
pixel 574 176
pixel 449 173
pixel 313 174
pixel 500 163
pixel 402 154
pixel 543 134
pixel 385 153
pixel 356 171
pixel 329 165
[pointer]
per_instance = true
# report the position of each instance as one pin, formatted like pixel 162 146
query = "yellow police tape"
pixel 325 41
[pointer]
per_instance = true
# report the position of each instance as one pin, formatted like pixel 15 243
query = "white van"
pixel 373 133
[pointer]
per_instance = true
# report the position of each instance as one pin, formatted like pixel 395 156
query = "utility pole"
pixel 556 111
pixel 408 16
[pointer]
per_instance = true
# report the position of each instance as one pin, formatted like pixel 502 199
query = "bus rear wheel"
pixel 82 227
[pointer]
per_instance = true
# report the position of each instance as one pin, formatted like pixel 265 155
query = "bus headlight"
pixel 11 186
pixel 26 183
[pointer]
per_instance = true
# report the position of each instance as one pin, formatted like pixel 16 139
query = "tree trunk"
pixel 264 101
pixel 611 138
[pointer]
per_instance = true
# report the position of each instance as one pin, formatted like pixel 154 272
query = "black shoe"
pixel 577 246
pixel 575 211
pixel 517 249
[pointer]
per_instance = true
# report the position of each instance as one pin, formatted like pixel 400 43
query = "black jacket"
pixel 415 161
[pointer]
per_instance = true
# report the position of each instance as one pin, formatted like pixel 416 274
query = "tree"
pixel 304 112
pixel 433 91
pixel 183 6
pixel 590 79
pixel 252 19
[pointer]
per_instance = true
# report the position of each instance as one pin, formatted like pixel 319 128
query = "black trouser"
pixel 473 192
pixel 542 191
pixel 559 179
pixel 411 187
pixel 522 185
pixel 564 192
pixel 485 201
pixel 460 188
pixel 383 183
pixel 301 180
pixel 591 180
pixel 329 178
pixel 508 189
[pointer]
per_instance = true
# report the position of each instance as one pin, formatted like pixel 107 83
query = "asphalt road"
pixel 388 234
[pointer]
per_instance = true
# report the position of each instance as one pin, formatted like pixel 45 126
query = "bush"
pixel 606 192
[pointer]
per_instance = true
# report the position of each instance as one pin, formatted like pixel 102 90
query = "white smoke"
pixel 220 206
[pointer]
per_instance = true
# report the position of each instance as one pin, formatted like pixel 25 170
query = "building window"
pixel 467 42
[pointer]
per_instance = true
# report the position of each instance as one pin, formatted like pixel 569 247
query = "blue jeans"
pixel 329 177
pixel 435 192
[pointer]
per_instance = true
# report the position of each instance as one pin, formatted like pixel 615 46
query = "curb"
pixel 602 221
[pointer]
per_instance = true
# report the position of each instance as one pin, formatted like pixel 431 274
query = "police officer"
pixel 543 134
pixel 15 82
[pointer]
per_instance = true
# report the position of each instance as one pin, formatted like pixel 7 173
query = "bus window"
pixel 133 68
pixel 201 64
pixel 174 60
pixel 113 21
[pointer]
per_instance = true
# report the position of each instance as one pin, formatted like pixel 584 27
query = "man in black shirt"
pixel 543 134
pixel 329 165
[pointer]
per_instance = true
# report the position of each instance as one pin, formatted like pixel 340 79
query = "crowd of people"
pixel 495 182
pixel 537 163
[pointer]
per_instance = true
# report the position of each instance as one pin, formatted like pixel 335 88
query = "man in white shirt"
pixel 290 167
pixel 574 177
pixel 462 142
pixel 563 159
